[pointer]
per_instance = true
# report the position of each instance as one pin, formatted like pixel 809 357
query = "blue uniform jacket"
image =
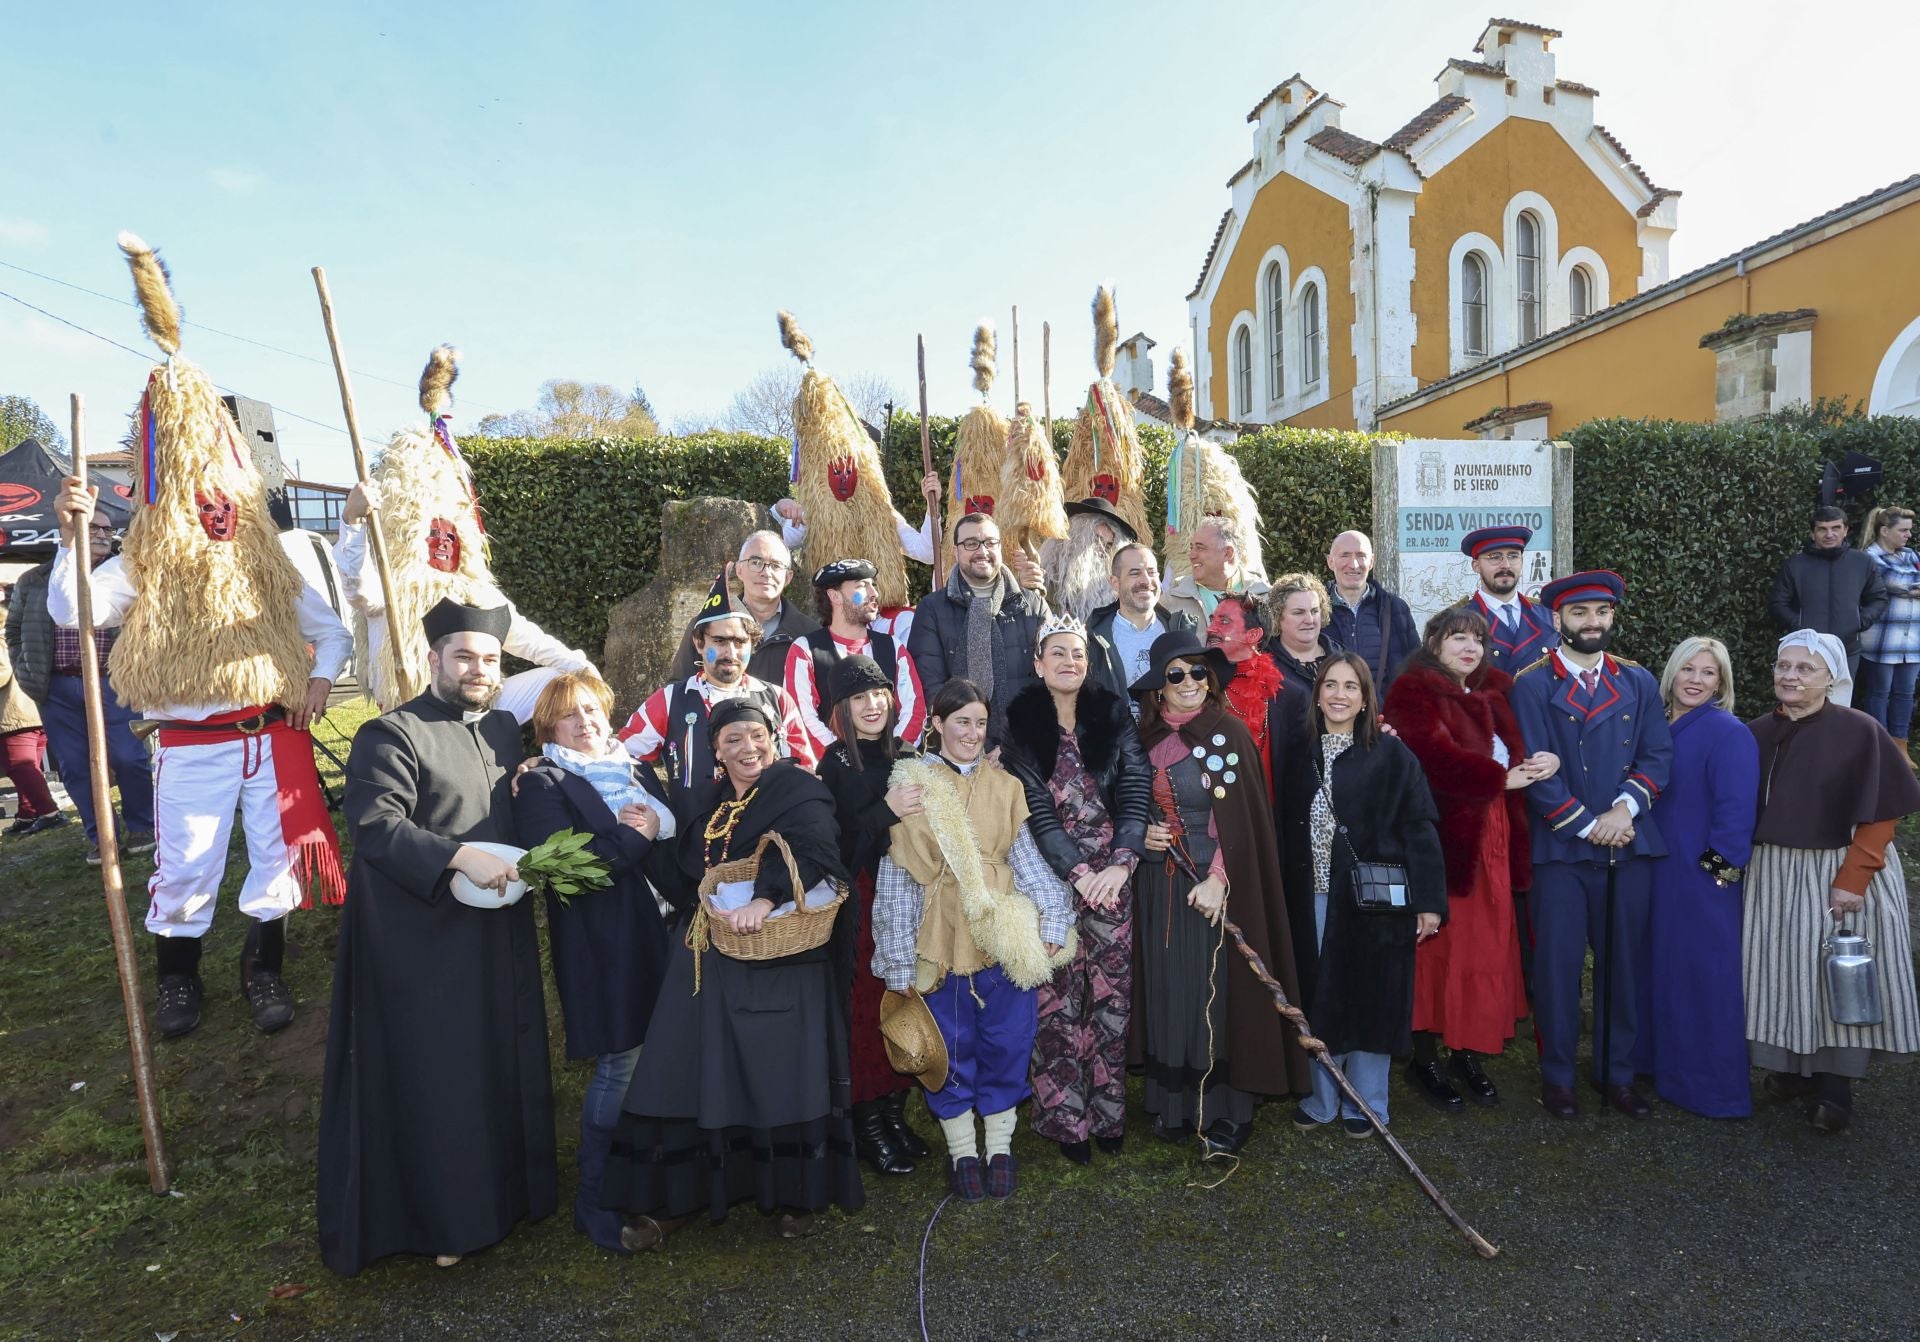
pixel 1616 746
pixel 1537 634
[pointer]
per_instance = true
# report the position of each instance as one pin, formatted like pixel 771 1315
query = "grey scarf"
pixel 980 618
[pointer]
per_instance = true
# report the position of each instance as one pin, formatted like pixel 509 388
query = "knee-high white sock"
pixel 961 1141
pixel 999 1132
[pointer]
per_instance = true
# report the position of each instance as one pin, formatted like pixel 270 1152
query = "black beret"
pixel 729 711
pixel 855 673
pixel 843 570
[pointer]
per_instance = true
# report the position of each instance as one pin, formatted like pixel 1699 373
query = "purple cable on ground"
pixel 923 1265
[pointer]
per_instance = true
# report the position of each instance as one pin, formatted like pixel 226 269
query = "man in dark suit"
pixel 1519 629
pixel 1594 837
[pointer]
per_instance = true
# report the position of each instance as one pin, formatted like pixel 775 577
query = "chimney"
pixel 1522 48
pixel 1133 369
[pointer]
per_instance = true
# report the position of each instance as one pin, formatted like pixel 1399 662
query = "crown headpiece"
pixel 1060 623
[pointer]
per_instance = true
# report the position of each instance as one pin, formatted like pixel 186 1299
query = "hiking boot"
pixel 135 842
pixel 52 820
pixel 179 1009
pixel 22 824
pixel 272 1004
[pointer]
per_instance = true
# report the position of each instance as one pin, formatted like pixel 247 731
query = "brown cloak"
pixel 1823 775
pixel 1265 1052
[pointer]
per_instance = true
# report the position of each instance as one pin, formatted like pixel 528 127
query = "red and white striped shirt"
pixel 645 734
pixel 808 696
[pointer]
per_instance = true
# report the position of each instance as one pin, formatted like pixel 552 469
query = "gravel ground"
pixel 1677 1227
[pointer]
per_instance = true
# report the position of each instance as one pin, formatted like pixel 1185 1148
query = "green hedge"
pixel 1696 517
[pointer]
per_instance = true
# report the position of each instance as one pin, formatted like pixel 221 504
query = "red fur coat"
pixel 1451 731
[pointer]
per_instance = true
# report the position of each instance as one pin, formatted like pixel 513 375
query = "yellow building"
pixel 1499 265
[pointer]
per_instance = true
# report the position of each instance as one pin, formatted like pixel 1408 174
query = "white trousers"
pixel 195 792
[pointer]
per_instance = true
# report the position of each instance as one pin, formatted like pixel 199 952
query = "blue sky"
pixel 626 193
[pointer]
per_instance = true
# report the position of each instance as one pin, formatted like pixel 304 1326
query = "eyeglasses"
pixel 1177 675
pixel 975 544
pixel 762 565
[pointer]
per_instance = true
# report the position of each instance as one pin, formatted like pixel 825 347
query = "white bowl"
pixel 467 892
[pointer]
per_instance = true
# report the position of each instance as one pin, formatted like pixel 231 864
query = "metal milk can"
pixel 1853 981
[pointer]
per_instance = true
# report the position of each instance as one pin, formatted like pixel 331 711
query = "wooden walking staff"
pixel 376 537
pixel 1016 354
pixel 144 1089
pixel 1297 1018
pixel 1046 380
pixel 926 465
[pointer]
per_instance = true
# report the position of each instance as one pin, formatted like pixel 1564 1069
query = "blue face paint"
pixel 712 655
pixel 859 596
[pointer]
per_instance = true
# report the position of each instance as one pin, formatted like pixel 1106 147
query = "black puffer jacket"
pixel 1109 747
pixel 938 641
pixel 1838 592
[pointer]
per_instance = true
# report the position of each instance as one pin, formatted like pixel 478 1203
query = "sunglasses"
pixel 1177 675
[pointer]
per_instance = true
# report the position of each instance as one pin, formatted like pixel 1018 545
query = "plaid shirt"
pixel 898 901
pixel 66 648
pixel 1895 636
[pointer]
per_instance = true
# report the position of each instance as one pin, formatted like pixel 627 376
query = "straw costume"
pixel 1104 459
pixel 838 479
pixel 964 908
pixel 1032 511
pixel 216 624
pixel 1203 480
pixel 436 549
pixel 980 449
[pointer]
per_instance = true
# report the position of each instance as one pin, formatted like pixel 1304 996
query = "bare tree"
pixel 765 405
pixel 870 394
pixel 573 409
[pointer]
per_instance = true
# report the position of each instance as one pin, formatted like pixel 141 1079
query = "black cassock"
pixel 436 1121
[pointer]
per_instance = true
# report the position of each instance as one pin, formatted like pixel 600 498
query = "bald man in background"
pixel 1367 618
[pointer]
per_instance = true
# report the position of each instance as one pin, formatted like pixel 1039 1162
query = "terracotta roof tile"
pixel 1503 414
pixel 1302 113
pixel 1739 328
pixel 1344 145
pixel 1212 247
pixel 1430 118
pixel 1474 68
pixel 1242 170
pixel 1855 206
pixel 1522 25
pixel 1571 87
pixel 1273 93
pixel 1660 193
pixel 1625 157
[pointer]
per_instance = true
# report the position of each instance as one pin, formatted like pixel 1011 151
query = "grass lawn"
pixel 1677 1227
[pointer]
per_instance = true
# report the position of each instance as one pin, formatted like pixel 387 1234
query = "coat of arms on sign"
pixel 1430 476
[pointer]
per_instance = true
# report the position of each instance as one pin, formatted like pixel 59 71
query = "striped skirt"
pixel 1781 958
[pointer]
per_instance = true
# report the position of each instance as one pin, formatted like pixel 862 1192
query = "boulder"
pixel 698 538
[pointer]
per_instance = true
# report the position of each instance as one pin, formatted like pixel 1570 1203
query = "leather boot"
pixel 178 962
pixel 260 981
pixel 874 1143
pixel 1833 1102
pixel 1464 1067
pixel 1426 1078
pixel 893 1112
pixel 597 1223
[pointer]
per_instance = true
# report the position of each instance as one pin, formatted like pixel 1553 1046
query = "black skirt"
pixel 1182 964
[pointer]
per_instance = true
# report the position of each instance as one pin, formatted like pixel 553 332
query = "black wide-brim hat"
pixel 1179 645
pixel 1099 507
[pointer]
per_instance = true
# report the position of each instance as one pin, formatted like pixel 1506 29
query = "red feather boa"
pixel 1252 688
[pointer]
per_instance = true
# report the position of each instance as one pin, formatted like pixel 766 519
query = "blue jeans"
pixel 64 715
pixel 611 1073
pixel 1367 1071
pixel 1887 688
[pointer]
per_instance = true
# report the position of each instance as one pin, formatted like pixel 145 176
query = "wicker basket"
pixel 804 929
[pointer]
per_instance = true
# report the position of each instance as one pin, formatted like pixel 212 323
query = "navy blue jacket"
pixel 1537 634
pixel 1381 631
pixel 1616 745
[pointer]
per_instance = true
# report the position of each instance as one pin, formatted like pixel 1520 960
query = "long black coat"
pixel 436 1116
pixel 1358 984
pixel 609 946
pixel 1109 747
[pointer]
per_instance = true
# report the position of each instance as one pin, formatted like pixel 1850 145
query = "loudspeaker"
pixel 1851 480
pixel 255 419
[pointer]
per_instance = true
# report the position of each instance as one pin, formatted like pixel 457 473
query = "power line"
pixel 54 316
pixel 214 330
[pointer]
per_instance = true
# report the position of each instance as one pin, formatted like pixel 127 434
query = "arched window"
pixel 1579 294
pixel 1310 335
pixel 1243 372
pixel 1473 304
pixel 1276 325
pixel 1526 251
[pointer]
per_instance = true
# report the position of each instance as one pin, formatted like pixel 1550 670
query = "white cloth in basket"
pixel 730 895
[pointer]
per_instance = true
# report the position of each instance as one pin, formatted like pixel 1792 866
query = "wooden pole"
pixel 1016 354
pixel 1318 1050
pixel 1046 380
pixel 926 466
pixel 144 1089
pixel 376 537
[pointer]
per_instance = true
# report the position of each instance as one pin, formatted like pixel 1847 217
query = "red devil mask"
pixel 443 545
pixel 843 475
pixel 218 517
pixel 1106 487
pixel 980 503
pixel 1036 469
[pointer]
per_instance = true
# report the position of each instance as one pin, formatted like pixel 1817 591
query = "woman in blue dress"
pixel 1696 1046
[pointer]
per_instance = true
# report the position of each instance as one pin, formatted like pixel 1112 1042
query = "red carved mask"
pixel 218 517
pixel 443 545
pixel 843 474
pixel 1036 469
pixel 980 503
pixel 1107 487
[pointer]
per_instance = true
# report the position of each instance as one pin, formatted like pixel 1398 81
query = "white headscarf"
pixel 1831 651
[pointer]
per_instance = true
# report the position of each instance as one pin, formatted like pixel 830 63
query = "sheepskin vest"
pixel 994 806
